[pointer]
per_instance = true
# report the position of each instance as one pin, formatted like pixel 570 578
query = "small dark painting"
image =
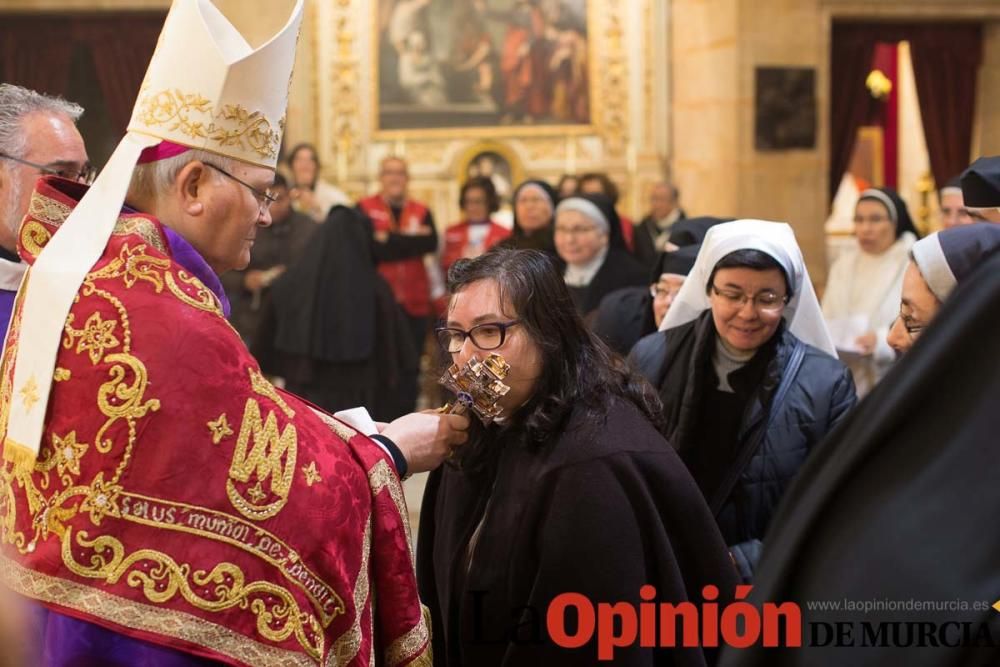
pixel 785 111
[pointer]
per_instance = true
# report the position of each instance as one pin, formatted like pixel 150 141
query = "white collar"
pixel 11 274
pixel 580 275
pixel 667 221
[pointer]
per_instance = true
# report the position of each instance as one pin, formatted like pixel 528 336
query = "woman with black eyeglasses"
pixel 747 374
pixel 572 490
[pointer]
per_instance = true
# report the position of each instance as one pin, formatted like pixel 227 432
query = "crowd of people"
pixel 184 481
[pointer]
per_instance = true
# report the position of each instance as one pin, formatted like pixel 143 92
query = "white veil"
pixel 802 315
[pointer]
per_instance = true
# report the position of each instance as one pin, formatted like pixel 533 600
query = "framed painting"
pixel 455 67
pixel 785 108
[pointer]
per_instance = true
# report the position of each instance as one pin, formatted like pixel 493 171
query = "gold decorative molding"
pixel 547 149
pixel 648 54
pixel 345 78
pixel 427 153
pixel 613 121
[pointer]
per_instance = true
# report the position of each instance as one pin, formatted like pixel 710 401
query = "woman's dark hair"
pixel 484 184
pixel 566 178
pixel 315 158
pixel 608 187
pixel 750 259
pixel 578 369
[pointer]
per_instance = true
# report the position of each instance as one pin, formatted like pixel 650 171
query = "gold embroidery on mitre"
pixel 270 457
pixel 191 114
pixel 220 429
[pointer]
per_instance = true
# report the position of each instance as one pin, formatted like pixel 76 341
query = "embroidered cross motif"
pixel 220 429
pixel 311 474
pixel 29 394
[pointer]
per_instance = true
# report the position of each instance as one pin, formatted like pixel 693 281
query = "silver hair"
pixel 152 178
pixel 16 103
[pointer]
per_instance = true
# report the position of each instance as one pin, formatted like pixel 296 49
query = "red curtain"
pixel 121 48
pixel 36 51
pixel 946 58
pixel 886 113
pixel 946 63
pixel 850 61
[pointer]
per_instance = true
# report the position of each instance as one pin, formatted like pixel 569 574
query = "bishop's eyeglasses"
pixel 264 197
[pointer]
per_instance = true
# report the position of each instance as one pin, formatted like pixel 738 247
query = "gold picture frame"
pixel 415 93
pixel 508 166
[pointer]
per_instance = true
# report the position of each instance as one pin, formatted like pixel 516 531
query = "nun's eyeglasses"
pixel 912 329
pixel 486 336
pixel 765 302
pixel 658 292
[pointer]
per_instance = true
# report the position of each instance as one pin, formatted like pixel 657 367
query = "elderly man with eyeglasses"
pixel 163 502
pixel 38 137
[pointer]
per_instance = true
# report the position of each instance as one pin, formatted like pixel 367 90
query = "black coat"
pixel 900 503
pixel 678 363
pixel 281 243
pixel 625 316
pixel 331 326
pixel 644 235
pixel 618 270
pixel 602 510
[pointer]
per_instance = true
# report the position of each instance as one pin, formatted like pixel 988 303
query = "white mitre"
pixel 207 87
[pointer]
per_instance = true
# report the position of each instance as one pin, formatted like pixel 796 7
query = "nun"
pixel 628 314
pixel 589 240
pixel 981 189
pixel 862 290
pixel 534 205
pixel 938 263
pixel 747 374
pixel 896 507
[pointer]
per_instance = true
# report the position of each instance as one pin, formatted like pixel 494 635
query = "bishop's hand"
pixel 427 438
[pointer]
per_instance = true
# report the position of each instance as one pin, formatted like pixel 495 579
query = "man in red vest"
pixel 404 232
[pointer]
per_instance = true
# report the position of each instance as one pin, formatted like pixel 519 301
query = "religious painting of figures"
pixel 463 64
pixel 494 166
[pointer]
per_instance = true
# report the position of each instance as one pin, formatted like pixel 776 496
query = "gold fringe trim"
pixel 22 456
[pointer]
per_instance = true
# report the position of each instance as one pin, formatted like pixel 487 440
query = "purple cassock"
pixel 63 641
pixel 11 272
